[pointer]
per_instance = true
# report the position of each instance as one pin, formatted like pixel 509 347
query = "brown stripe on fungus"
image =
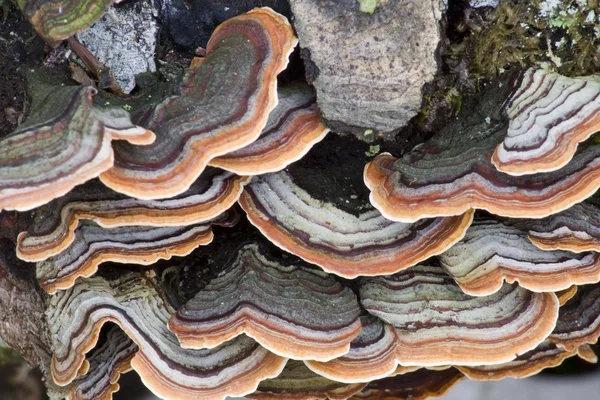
pixel 372 356
pixel 347 244
pixel 297 382
pixel 576 229
pixel 76 316
pixel 292 129
pixel 579 319
pixel 94 245
pixel 290 308
pixel 437 324
pixel 221 105
pixel 65 142
pixel 452 172
pixel 566 295
pixel 54 225
pixel 418 385
pixel 549 115
pixel 493 252
pixel 545 355
pixel 105 365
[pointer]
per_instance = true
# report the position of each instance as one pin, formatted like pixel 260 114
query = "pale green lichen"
pixel 368 6
pixel 373 150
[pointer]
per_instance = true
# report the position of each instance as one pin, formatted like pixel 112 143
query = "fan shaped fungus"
pixel 292 129
pixel 94 245
pixel 291 309
pixel 492 252
pixel 66 141
pixel 440 325
pixel 344 239
pixel 452 172
pixel 76 316
pixel 53 229
pixel 549 115
pixel 221 105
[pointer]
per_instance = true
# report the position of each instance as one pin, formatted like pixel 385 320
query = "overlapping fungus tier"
pixel 579 319
pixel 221 105
pixel 493 252
pixel 576 229
pixel 65 141
pixel 104 366
pixel 54 224
pixel 418 385
pixel 297 382
pixel 292 129
pixel 452 172
pixel 340 233
pixel 545 355
pixel 438 324
pixel 549 115
pixel 55 20
pixel 144 245
pixel 291 309
pixel 76 316
pixel 372 355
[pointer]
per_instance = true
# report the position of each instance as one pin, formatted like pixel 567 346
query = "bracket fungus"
pixel 549 115
pixel 221 105
pixel 372 355
pixel 54 227
pixel 106 363
pixel 292 129
pixel 418 385
pixel 452 172
pixel 55 20
pixel 65 142
pixel 439 325
pixel 545 355
pixel 336 232
pixel 579 319
pixel 297 382
pixel 576 229
pixel 290 308
pixel 492 252
pixel 77 315
pixel 143 245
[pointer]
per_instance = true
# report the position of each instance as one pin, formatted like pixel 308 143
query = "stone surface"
pixel 124 40
pixel 368 69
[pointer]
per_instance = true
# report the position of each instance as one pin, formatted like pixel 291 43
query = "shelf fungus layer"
pixel 549 115
pixel 291 309
pixel 143 245
pixel 372 355
pixel 221 105
pixel 55 224
pixel 105 364
pixel 545 355
pixel 65 142
pixel 297 382
pixel 133 302
pixel 55 20
pixel 579 319
pixel 576 229
pixel 418 385
pixel 292 129
pixel 452 172
pixel 337 232
pixel 492 253
pixel 437 324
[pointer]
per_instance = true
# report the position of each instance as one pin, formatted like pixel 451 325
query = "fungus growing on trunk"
pixel 290 308
pixel 221 105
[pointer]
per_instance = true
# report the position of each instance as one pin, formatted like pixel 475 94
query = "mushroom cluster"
pixel 467 257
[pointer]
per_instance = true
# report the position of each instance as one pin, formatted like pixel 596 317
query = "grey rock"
pixel 368 69
pixel 124 40
pixel 484 3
